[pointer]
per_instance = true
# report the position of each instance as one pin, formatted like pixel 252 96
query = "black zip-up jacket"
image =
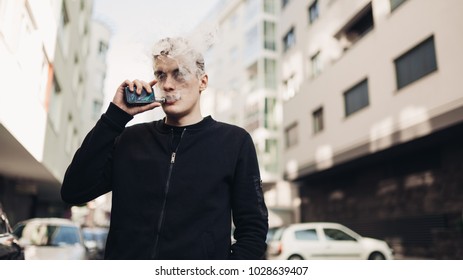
pixel 172 204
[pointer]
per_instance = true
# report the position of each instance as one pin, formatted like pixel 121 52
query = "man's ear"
pixel 203 82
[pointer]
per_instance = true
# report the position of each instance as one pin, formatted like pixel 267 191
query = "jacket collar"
pixel 162 127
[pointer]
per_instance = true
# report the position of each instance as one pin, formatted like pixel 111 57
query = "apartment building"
pixel 373 118
pixel 243 88
pixel 44 48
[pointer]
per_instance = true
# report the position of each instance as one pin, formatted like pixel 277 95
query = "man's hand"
pixel 133 110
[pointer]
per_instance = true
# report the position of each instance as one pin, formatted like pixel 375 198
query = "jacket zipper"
pixel 166 191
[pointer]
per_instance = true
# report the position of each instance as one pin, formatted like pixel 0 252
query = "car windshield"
pixel 48 235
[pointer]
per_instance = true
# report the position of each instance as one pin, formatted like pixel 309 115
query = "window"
pixel 308 234
pixel 56 104
pixel 64 27
pixel 316 65
pixel 102 48
pixel 270 121
pixel 313 12
pixel 269 7
pixel 271 151
pixel 270 73
pixel 269 36
pixel 416 63
pixel 395 4
pixel 69 134
pixel 359 26
pixel 317 117
pixel 337 235
pixel 289 87
pixel 284 3
pixel 291 135
pixel 289 40
pixel 356 98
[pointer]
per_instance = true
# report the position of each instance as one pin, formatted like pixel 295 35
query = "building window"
pixel 271 155
pixel 269 7
pixel 289 39
pixel 284 3
pixel 356 98
pixel 316 65
pixel 102 48
pixel 291 135
pixel 416 63
pixel 359 26
pixel 317 117
pixel 270 120
pixel 64 28
pixel 69 134
pixel 395 4
pixel 269 35
pixel 56 104
pixel 270 73
pixel 313 12
pixel 289 87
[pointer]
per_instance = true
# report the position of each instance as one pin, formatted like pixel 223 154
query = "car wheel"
pixel 376 256
pixel 295 258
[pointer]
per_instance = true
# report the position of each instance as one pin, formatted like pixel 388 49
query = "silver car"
pixel 51 239
pixel 324 241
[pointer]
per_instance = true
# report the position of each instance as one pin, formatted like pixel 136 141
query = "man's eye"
pixel 179 75
pixel 160 76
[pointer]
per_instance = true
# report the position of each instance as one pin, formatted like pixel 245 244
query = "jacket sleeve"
pixel 250 214
pixel 89 174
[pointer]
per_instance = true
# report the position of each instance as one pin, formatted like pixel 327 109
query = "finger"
pixel 139 85
pixel 147 86
pixel 150 106
pixel 127 83
pixel 153 82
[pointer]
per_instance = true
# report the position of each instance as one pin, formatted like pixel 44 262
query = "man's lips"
pixel 170 99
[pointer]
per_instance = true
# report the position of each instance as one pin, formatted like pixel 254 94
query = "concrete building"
pixel 44 47
pixel 373 118
pixel 98 211
pixel 243 78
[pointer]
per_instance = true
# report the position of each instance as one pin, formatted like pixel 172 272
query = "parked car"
pixel 95 241
pixel 51 239
pixel 324 241
pixel 9 245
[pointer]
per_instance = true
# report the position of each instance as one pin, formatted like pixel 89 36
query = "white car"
pixel 324 241
pixel 51 239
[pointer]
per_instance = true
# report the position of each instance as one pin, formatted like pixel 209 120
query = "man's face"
pixel 177 81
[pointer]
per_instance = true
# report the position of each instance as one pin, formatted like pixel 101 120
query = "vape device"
pixel 134 99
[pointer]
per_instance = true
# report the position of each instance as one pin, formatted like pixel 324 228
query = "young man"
pixel 176 183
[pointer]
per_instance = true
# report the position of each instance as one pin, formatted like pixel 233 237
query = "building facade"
pixel 243 89
pixel 44 48
pixel 373 118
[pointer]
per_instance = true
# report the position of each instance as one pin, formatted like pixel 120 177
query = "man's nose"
pixel 169 84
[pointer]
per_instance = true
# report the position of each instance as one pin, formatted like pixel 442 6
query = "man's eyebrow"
pixel 163 72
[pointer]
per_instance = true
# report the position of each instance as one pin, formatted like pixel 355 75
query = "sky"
pixel 136 25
